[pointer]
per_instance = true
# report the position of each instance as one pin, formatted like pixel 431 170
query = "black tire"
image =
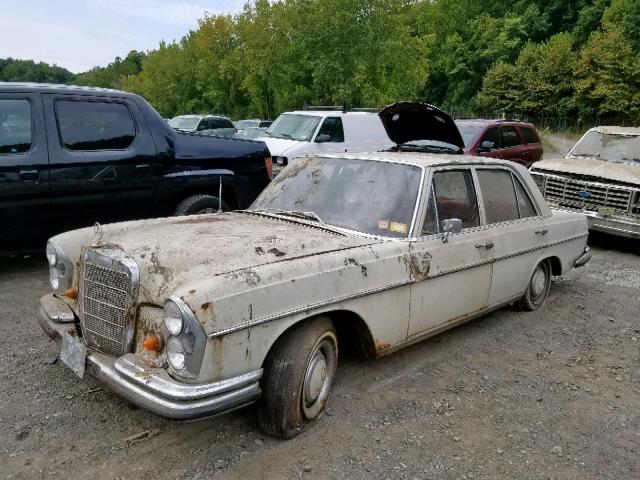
pixel 538 288
pixel 199 204
pixel 296 383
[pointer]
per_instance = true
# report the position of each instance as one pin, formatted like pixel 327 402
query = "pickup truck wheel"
pixel 298 374
pixel 199 204
pixel 538 288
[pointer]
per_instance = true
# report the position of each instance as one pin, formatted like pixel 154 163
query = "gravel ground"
pixel 548 394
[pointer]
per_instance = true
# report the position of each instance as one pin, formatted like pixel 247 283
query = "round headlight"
pixel 175 353
pixel 173 318
pixel 52 257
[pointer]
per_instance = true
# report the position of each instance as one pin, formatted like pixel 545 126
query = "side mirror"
pixel 449 226
pixel 323 138
pixel 486 146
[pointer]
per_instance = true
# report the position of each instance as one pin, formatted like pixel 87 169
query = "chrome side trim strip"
pixel 307 308
pixel 345 298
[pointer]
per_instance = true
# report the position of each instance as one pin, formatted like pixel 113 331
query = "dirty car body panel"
pixel 372 252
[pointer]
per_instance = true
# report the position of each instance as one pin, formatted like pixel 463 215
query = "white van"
pixel 305 132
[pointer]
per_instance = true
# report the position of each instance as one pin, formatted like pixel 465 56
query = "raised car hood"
pixel 410 121
pixel 593 168
pixel 174 252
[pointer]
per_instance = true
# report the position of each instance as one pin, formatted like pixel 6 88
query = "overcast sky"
pixel 80 34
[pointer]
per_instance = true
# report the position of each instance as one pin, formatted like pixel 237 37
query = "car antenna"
pixel 220 195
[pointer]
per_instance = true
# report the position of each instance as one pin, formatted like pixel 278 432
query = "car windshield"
pixel 242 124
pixel 184 123
pixel 294 127
pixel 367 196
pixel 469 132
pixel 609 147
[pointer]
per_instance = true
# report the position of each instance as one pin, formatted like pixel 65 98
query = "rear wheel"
pixel 200 204
pixel 538 288
pixel 298 374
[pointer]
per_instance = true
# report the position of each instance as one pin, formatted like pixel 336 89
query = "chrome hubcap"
pixel 318 377
pixel 538 282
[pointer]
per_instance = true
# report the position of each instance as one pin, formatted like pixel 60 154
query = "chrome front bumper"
pixel 621 226
pixel 153 388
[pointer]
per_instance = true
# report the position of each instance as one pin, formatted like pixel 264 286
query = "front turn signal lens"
pixel 152 342
pixel 71 293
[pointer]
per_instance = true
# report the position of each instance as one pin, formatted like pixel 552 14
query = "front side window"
pixel 294 127
pixel 15 126
pixel 332 126
pixel 86 125
pixel 499 195
pixel 509 137
pixel 455 197
pixel 377 198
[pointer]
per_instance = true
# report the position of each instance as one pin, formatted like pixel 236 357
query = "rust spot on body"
pixel 205 306
pixel 381 346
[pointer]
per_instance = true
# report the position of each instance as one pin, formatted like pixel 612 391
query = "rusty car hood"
pixel 592 168
pixel 409 121
pixel 172 252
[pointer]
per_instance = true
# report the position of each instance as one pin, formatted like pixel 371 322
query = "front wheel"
pixel 538 288
pixel 298 374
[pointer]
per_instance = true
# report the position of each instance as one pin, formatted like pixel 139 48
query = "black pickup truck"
pixel 72 156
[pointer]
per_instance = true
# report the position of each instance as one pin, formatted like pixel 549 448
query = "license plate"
pixel 73 354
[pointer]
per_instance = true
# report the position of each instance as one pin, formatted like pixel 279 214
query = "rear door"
pixel 103 160
pixel 24 170
pixel 517 228
pixel 533 148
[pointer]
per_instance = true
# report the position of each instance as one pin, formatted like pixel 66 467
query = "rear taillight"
pixel 269 163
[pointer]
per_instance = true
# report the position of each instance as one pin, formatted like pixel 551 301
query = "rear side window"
pixel 525 205
pixel 15 126
pixel 455 197
pixel 499 195
pixel 332 126
pixel 509 137
pixel 529 135
pixel 86 125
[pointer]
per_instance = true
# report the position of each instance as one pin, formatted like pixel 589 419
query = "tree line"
pixel 534 59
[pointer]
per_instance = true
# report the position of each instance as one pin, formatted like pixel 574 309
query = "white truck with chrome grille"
pixel 194 316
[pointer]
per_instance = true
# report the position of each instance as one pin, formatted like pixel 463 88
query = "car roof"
pixel 29 87
pixel 332 113
pixel 615 130
pixel 485 122
pixel 420 159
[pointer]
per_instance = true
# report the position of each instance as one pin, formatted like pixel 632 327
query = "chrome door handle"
pixel 544 231
pixel 488 245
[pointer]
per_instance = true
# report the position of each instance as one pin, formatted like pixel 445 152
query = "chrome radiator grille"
pixel 106 296
pixel 569 192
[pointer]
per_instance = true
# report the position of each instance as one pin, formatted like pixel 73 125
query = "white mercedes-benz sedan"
pixel 194 316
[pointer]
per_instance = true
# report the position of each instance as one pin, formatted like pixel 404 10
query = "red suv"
pixel 505 139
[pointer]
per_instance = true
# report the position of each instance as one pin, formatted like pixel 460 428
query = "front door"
pixel 452 279
pixel 24 171
pixel 330 136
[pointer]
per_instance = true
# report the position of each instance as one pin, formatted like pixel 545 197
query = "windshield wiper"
pixel 292 213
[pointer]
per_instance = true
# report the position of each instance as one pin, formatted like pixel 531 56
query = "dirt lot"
pixel 549 394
